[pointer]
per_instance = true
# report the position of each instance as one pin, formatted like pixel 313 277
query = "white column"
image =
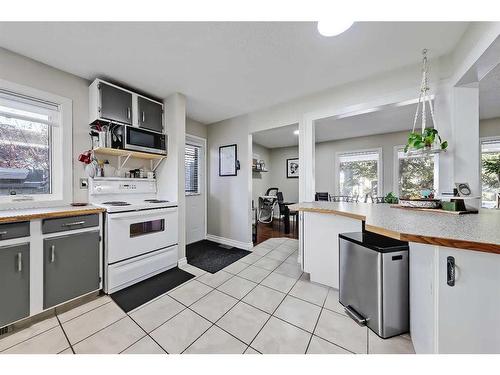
pixel 466 148
pixel 170 174
pixel 306 159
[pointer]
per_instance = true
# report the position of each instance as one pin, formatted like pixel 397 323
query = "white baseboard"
pixel 230 242
pixel 182 262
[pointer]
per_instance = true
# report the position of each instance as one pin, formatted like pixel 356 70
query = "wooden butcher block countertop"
pixel 13 215
pixel 480 232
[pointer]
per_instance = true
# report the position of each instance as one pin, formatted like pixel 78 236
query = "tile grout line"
pixel 317 321
pixel 147 335
pixel 238 301
pixel 65 335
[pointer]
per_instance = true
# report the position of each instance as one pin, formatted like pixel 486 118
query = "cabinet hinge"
pixel 100 238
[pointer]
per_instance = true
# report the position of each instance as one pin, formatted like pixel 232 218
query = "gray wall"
pixel 24 71
pixel 196 128
pixel 289 186
pixel 490 127
pixel 229 198
pixel 261 181
pixel 325 157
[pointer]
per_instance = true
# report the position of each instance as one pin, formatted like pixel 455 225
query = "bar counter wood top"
pixel 13 215
pixel 480 232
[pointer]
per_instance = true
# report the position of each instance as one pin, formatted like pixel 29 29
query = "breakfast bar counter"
pixel 454 267
pixel 480 232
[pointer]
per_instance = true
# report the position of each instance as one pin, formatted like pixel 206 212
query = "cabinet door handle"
pixel 128 113
pixel 3 233
pixel 143 117
pixel 74 223
pixel 450 271
pixel 52 253
pixel 19 262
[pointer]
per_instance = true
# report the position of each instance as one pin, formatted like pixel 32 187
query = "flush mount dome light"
pixel 296 132
pixel 333 27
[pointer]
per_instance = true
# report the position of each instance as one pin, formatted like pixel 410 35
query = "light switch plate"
pixel 84 183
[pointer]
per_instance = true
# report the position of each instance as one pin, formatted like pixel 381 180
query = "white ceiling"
pixel 277 137
pixel 386 120
pixel 228 68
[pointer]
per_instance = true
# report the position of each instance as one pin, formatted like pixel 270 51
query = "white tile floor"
pixel 262 303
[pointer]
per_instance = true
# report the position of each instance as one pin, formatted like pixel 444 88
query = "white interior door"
pixel 195 186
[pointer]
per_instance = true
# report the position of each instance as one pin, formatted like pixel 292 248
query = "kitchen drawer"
pixel 14 230
pixel 69 223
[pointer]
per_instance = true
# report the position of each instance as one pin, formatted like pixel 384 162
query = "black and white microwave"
pixel 139 139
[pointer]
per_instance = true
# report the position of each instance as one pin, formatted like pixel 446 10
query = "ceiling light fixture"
pixel 333 27
pixel 296 132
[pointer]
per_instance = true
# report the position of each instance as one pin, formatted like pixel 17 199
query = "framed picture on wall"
pixel 292 168
pixel 228 160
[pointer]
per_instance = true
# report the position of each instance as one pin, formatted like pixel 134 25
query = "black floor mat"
pixel 211 256
pixel 146 290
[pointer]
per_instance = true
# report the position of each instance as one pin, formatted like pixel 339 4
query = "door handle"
pixel 143 117
pixel 128 113
pixel 74 223
pixel 52 253
pixel 450 271
pixel 19 262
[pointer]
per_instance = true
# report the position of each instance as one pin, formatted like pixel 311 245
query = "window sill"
pixel 192 194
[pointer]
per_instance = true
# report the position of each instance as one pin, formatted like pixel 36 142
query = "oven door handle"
pixel 142 213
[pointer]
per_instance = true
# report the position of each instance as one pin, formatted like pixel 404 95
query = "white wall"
pixel 31 73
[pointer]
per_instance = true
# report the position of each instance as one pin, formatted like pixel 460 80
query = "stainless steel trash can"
pixel 373 285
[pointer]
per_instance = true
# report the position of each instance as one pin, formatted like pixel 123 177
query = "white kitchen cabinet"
pixel 469 312
pixel 463 318
pixel 320 245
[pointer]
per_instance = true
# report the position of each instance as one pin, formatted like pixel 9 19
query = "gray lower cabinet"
pixel 14 283
pixel 71 267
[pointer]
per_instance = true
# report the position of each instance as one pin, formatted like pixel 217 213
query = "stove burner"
pixel 155 201
pixel 116 203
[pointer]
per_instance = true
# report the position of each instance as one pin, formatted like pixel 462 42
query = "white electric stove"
pixel 140 230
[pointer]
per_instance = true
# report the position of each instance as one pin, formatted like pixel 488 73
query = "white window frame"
pixel 200 147
pixel 395 176
pixel 481 140
pixel 380 167
pixel 61 154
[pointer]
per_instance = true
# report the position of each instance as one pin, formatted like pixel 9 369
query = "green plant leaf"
pixel 444 145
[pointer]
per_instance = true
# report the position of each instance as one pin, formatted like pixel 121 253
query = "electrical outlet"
pixel 84 183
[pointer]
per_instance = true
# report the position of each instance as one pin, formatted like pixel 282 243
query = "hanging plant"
pixel 425 140
pixel 428 140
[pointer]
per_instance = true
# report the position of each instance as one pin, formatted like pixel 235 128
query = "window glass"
pixel 415 174
pixel 490 173
pixel 358 173
pixel 25 149
pixel 191 165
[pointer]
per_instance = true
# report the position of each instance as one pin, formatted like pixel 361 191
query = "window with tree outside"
pixel 358 173
pixel 490 173
pixel 25 144
pixel 416 173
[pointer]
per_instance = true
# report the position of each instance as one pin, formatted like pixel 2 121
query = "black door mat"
pixel 146 290
pixel 211 256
